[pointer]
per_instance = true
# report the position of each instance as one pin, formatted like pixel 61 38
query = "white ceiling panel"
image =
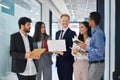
pixel 78 9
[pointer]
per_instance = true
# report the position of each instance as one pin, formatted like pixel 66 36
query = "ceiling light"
pixel 73 13
pixel 36 13
pixel 72 10
pixel 33 19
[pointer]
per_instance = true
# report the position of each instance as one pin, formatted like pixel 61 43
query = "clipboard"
pixel 76 40
pixel 37 52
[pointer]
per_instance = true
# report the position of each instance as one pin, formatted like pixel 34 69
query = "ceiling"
pixel 78 9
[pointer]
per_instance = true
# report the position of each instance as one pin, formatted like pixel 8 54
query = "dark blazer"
pixel 66 59
pixel 17 52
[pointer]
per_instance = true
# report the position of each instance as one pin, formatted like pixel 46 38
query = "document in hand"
pixel 56 45
pixel 37 52
pixel 76 40
pixel 83 50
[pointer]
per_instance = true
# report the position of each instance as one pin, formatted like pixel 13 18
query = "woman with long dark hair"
pixel 81 64
pixel 40 41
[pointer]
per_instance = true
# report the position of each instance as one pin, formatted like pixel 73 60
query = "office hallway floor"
pixel 12 76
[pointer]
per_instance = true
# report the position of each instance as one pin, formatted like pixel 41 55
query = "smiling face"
pixel 64 21
pixel 83 29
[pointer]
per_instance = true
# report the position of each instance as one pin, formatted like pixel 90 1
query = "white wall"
pixel 107 27
pixel 110 38
pixel 47 6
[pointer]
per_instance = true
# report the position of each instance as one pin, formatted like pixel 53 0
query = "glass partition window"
pixel 75 27
pixel 55 26
pixel 10 12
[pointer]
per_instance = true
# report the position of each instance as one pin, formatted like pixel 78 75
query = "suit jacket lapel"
pixel 58 35
pixel 21 41
pixel 30 43
pixel 66 33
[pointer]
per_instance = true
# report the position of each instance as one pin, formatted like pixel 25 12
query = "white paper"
pixel 56 45
pixel 76 40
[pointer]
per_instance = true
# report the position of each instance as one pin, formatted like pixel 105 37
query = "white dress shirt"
pixel 64 30
pixel 30 66
pixel 78 55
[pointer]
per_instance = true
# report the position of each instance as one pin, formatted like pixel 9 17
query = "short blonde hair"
pixel 66 15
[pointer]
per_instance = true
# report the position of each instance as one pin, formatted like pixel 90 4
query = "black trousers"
pixel 21 77
pixel 65 73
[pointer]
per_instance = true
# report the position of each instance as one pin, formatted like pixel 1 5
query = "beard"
pixel 26 30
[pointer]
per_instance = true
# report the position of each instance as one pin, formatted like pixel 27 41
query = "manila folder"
pixel 37 52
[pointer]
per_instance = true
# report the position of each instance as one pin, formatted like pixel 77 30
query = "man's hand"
pixel 28 55
pixel 82 45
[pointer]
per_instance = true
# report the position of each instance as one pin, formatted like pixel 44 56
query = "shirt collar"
pixel 65 29
pixel 23 34
pixel 94 29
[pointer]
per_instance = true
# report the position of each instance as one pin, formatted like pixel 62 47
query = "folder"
pixel 76 40
pixel 37 53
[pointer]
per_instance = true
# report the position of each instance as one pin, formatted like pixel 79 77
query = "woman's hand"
pixel 83 52
pixel 82 45
pixel 75 51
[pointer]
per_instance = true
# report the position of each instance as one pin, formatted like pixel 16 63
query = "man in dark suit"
pixel 65 60
pixel 21 46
